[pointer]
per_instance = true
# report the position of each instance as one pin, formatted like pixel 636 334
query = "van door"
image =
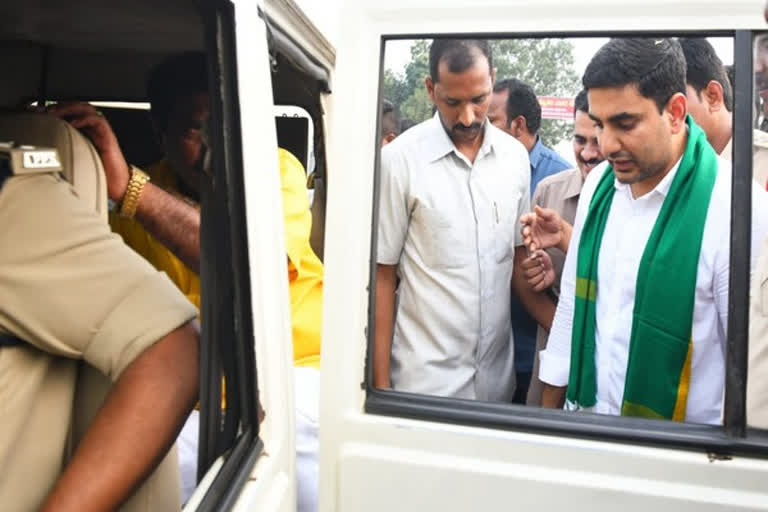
pixel 244 463
pixel 384 450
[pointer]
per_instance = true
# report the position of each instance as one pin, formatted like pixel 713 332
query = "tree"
pixel 547 66
pixel 544 64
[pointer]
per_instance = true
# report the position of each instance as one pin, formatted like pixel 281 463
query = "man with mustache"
pixel 516 110
pixel 556 198
pixel 451 191
pixel 640 328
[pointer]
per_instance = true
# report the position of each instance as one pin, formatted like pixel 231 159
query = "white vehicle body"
pixel 378 462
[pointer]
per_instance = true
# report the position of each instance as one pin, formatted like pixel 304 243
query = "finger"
pixel 72 109
pixel 545 213
pixel 541 286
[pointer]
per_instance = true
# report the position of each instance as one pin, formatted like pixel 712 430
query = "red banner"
pixel 553 107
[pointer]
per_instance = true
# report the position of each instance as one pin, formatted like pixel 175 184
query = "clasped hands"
pixel 541 229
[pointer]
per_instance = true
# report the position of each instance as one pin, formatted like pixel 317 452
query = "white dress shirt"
pixel 627 229
pixel 450 226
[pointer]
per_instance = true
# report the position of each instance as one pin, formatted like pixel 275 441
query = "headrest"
pixel 80 161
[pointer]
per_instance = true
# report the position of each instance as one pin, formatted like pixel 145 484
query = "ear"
pixel 430 89
pixel 493 78
pixel 713 93
pixel 387 139
pixel 676 110
pixel 519 126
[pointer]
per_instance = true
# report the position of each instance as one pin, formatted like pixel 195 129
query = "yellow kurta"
pixel 305 271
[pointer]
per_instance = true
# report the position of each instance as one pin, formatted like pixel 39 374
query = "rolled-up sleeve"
pixel 72 288
pixel 393 207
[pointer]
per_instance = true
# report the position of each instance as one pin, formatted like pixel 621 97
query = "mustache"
pixel 620 156
pixel 591 161
pixel 458 127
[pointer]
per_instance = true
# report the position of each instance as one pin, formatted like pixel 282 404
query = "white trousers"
pixel 307 390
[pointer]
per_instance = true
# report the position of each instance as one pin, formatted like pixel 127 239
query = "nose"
pixel 467 115
pixel 609 142
pixel 590 151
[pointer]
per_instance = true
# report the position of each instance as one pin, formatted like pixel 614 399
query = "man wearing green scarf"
pixel 640 326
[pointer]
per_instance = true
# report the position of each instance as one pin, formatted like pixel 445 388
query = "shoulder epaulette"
pixel 19 160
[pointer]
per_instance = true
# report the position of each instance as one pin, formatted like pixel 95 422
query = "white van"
pixel 379 450
pixel 385 450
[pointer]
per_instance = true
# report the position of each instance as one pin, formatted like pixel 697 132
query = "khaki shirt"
pixel 559 192
pixel 757 383
pixel 82 301
pixel 759 156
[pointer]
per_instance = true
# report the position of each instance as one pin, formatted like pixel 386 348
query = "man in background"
pixel 390 122
pixel 516 110
pixel 559 194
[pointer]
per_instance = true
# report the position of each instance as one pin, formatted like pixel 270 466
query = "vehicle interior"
pixel 102 52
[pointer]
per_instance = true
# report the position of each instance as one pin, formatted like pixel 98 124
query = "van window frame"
pixel 227 344
pixel 731 438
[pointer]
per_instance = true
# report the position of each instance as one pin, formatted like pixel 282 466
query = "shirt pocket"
pixel 440 242
pixel 505 219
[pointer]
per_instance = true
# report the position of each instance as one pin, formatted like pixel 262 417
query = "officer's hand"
pixel 538 271
pixel 541 229
pixel 95 126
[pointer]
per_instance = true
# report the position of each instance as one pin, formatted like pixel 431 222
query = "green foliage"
pixel 544 64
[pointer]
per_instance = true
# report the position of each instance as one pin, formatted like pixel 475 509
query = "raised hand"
pixel 95 126
pixel 541 229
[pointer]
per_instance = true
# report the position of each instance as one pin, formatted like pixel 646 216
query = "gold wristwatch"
pixel 133 192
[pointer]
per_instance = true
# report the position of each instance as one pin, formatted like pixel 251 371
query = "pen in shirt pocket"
pixel 496 212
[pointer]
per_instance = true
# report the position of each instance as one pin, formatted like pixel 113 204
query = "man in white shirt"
pixel 451 192
pixel 641 330
pixel 710 103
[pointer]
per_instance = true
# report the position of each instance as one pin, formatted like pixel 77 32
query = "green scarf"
pixel 658 370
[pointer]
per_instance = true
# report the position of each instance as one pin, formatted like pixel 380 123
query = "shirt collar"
pixel 661 188
pixel 440 144
pixel 536 153
pixel 574 185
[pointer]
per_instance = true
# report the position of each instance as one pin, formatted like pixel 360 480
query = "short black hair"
pixel 390 118
pixel 458 54
pixel 581 103
pixel 655 66
pixel 703 65
pixel 179 75
pixel 521 101
pixel 406 124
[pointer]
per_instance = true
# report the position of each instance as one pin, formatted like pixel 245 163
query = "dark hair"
pixel 390 119
pixel 730 73
pixel 179 75
pixel 581 103
pixel 458 54
pixel 406 124
pixel 522 101
pixel 703 65
pixel 655 66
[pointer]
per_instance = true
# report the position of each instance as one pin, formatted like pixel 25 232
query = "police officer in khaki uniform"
pixel 757 373
pixel 73 296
